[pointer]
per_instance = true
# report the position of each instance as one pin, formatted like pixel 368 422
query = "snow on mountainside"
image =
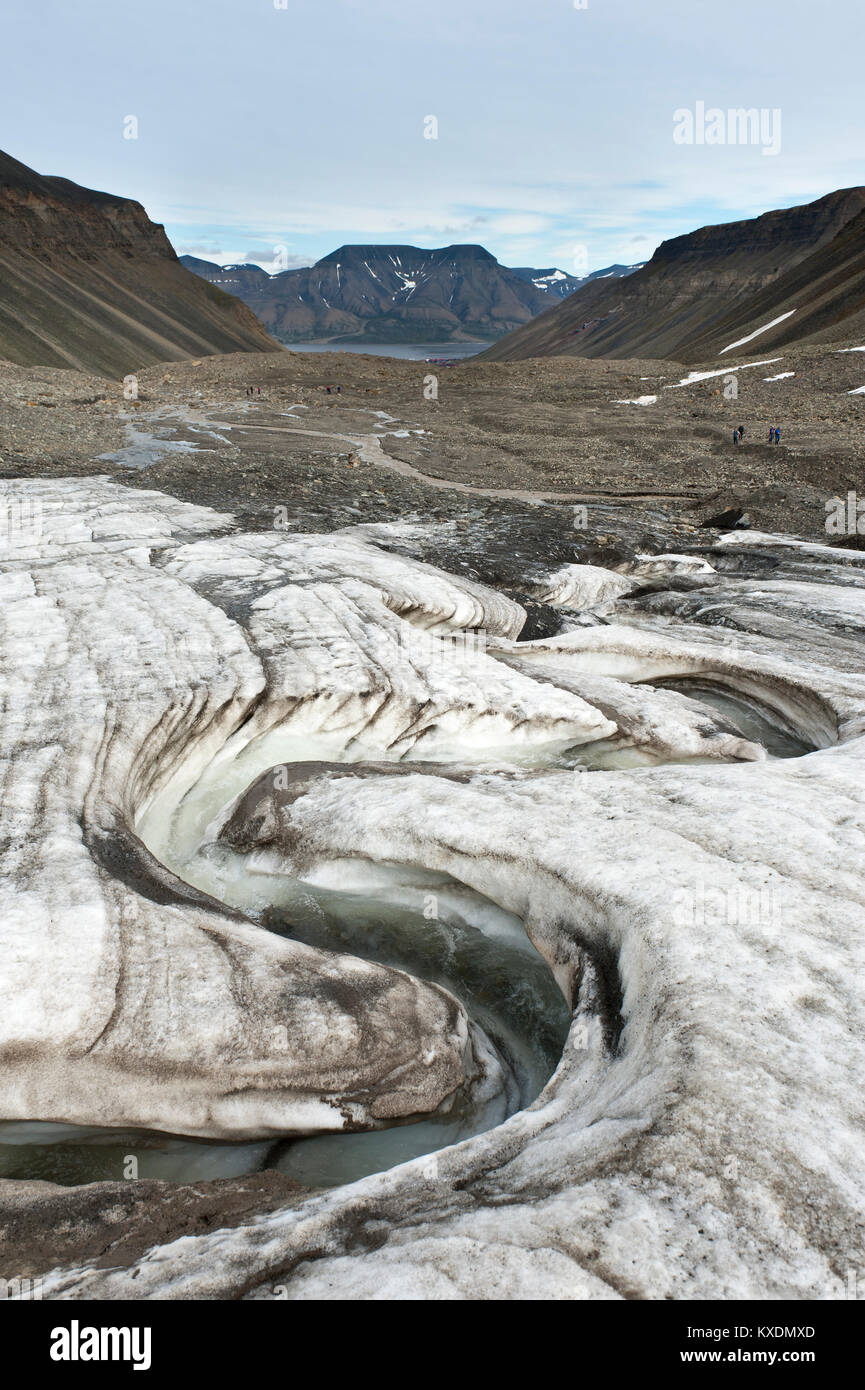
pixel 795 275
pixel 393 293
pixel 557 284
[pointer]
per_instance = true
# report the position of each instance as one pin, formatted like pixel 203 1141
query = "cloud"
pixel 271 257
pixel 555 125
pixel 280 258
pixel 207 250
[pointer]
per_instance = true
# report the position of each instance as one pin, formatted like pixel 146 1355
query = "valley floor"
pixel 545 429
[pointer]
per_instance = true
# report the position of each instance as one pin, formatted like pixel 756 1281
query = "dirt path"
pixel 370 450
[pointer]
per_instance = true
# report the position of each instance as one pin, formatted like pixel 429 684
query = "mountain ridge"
pixel 88 281
pixel 388 293
pixel 702 291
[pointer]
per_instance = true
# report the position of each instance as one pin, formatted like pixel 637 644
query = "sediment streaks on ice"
pixel 702 1134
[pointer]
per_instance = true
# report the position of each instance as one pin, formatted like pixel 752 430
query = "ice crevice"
pixel 696 892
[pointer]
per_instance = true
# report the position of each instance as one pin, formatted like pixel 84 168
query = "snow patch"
pixel 724 371
pixel 757 331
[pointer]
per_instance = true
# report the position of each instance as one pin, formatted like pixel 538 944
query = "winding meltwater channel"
pixel 410 919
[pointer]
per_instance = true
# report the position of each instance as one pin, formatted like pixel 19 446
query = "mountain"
pixel 88 281
pixel 702 293
pixel 392 294
pixel 559 285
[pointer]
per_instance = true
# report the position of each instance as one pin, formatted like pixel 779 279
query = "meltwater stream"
pixel 376 911
pixel 779 740
pixel 380 912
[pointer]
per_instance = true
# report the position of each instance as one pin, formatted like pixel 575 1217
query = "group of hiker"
pixel 774 435
pixel 256 390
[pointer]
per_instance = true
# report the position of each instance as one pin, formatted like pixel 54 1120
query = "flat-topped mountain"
pixel 393 294
pixel 88 281
pixel 793 275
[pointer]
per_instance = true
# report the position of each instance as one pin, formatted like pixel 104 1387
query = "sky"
pixel 550 132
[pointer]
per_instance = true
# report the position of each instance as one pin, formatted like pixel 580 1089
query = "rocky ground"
pixel 547 436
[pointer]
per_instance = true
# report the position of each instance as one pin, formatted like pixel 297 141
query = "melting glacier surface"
pixel 377 911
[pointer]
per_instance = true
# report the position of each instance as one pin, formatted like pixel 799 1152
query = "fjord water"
pixel 416 352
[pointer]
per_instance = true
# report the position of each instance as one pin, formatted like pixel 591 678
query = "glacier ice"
pixel 702 911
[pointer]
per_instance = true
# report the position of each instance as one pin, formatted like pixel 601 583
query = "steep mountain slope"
pixel 392 294
pixel 815 301
pixel 703 292
pixel 88 281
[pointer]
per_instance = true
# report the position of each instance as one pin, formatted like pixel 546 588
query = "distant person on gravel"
pixel 777 436
pixel 741 433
